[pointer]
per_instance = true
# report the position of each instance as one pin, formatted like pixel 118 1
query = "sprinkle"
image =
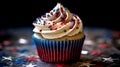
pixel 23 50
pixel 23 41
pixel 60 65
pixel 7 42
pixel 78 22
pixel 54 23
pixel 72 20
pixel 14 50
pixel 53 10
pixel 84 52
pixel 32 59
pixel 64 30
pixel 89 42
pixel 2 54
pixel 40 30
pixel 71 27
pixel 51 29
pixel 20 61
pixel 107 36
pixel 49 26
pixel 55 29
pixel 57 14
pixel 96 53
pixel 48 23
pixel 65 22
pixel 103 45
pixel 48 15
pixel 75 16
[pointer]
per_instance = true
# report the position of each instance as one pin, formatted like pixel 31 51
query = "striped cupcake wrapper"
pixel 59 51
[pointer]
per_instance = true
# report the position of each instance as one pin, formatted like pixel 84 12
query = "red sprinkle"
pixel 57 14
pixel 60 65
pixel 14 50
pixel 51 29
pixel 40 30
pixel 103 45
pixel 32 59
pixel 55 29
pixel 96 53
pixel 78 22
pixel 7 42
pixel 65 22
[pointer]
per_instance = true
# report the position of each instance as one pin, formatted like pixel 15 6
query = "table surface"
pixel 101 49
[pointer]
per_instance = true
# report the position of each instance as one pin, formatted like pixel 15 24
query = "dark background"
pixel 97 13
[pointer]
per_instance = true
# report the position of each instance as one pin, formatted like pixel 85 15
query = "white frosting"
pixel 57 23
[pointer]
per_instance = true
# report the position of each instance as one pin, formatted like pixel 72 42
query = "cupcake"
pixel 58 36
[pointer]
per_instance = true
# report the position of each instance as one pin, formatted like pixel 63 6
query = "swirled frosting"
pixel 58 23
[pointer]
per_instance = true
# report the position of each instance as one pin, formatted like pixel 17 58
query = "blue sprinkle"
pixel 71 20
pixel 107 36
pixel 23 51
pixel 65 14
pixel 49 26
pixel 48 15
pixel 20 61
pixel 2 54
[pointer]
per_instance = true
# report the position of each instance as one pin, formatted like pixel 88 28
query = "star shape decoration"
pixel 30 65
pixel 109 59
pixel 7 58
pixel 85 64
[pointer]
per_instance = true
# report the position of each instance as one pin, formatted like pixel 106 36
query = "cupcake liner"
pixel 59 51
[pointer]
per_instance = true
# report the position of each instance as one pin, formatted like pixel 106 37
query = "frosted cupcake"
pixel 58 36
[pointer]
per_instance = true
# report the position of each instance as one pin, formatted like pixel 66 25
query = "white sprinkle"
pixel 22 41
pixel 84 52
pixel 89 42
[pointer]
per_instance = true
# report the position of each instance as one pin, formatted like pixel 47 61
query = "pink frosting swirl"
pixel 58 23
